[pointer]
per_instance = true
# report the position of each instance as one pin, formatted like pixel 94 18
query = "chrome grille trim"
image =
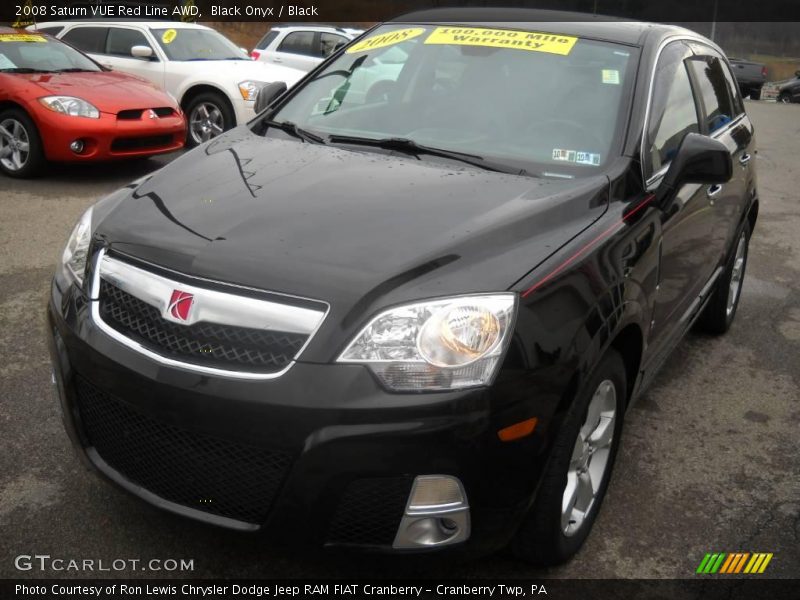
pixel 211 306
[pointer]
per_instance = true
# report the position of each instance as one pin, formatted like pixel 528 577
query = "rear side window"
pixel 733 91
pixel 299 42
pixel 88 39
pixel 713 91
pixel 266 40
pixel 673 110
pixel 120 41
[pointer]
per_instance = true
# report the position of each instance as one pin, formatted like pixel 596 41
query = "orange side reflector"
pixel 517 430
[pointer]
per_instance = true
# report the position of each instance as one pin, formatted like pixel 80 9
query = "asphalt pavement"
pixel 710 459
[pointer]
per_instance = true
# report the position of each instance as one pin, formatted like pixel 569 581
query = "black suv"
pixel 413 320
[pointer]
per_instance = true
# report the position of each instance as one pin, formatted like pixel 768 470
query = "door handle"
pixel 744 159
pixel 276 59
pixel 713 190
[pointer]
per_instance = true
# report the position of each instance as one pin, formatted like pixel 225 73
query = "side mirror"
pixel 699 159
pixel 142 52
pixel 268 93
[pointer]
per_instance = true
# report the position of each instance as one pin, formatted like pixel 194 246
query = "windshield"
pixel 184 44
pixel 28 52
pixel 543 103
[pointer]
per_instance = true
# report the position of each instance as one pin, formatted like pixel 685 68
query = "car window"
pixel 54 31
pixel 190 44
pixel 673 112
pixel 299 42
pixel 329 43
pixel 88 39
pixel 40 53
pixel 733 90
pixel 121 40
pixel 713 91
pixel 266 40
pixel 537 102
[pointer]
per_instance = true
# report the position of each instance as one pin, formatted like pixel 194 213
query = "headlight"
pixel 73 260
pixel 443 344
pixel 69 105
pixel 249 89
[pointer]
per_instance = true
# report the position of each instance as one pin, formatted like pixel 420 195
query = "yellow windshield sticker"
pixel 168 36
pixel 21 37
pixel 386 39
pixel 535 41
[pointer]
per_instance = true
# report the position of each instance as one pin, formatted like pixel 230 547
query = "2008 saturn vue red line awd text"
pixel 414 320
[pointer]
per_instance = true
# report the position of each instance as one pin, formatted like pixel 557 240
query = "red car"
pixel 58 104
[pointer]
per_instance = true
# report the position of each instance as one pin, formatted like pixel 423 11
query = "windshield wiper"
pixel 294 130
pixel 24 70
pixel 409 146
pixel 77 70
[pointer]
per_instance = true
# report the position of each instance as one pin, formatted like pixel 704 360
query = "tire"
pixel 720 311
pixel 208 115
pixel 548 535
pixel 755 93
pixel 784 98
pixel 18 133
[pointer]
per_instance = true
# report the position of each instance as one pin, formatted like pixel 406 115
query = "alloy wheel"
pixel 590 458
pixel 14 145
pixel 737 275
pixel 206 122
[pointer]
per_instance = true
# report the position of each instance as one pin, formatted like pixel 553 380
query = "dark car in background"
pixel 790 92
pixel 751 76
pixel 414 321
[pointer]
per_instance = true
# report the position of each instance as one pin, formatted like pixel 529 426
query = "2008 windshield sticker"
pixel 386 39
pixel 503 38
pixel 574 156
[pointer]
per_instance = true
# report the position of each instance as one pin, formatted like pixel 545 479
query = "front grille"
pixel 136 113
pixel 193 469
pixel 206 344
pixel 369 511
pixel 141 143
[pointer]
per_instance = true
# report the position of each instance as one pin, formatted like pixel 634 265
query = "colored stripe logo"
pixel 730 563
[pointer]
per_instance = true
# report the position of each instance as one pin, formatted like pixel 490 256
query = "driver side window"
pixel 673 111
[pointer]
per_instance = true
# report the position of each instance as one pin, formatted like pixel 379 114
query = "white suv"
pixel 214 81
pixel 302 46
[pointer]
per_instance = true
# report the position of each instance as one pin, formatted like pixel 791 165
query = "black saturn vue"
pixel 407 307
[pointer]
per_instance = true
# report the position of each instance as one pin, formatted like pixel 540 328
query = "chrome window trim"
pixel 159 281
pixel 664 43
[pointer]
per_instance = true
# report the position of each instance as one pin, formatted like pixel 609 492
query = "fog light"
pixel 76 146
pixel 436 513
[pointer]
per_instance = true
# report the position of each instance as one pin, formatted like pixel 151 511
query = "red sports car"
pixel 58 104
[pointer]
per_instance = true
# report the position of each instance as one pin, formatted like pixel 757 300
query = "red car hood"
pixel 109 91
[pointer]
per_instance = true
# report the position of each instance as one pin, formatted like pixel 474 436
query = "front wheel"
pixel 721 308
pixel 784 98
pixel 208 115
pixel 21 151
pixel 576 479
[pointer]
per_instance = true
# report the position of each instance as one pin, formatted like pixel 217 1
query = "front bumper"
pixel 321 455
pixel 106 138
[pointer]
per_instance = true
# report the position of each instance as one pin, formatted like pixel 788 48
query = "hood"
pixel 347 227
pixel 109 91
pixel 241 70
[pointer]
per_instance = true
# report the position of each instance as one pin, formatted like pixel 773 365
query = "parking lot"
pixel 710 458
